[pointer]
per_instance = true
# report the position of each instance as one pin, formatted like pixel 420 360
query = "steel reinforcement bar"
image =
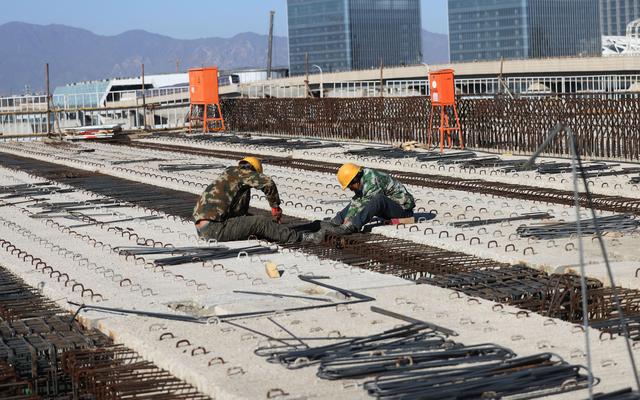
pixel 556 295
pixel 38 340
pixel 606 127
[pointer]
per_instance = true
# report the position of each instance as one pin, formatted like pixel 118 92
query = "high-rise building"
pixel 341 35
pixel 494 29
pixel 615 15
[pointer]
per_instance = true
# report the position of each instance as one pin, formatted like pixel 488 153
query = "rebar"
pixel 36 339
pixel 608 127
pixel 558 230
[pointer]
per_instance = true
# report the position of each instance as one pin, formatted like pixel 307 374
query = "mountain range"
pixel 76 54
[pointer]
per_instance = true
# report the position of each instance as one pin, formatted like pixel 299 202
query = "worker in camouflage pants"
pixel 376 195
pixel 221 211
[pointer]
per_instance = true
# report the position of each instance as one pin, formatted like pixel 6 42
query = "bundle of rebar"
pixel 406 357
pixel 480 222
pixel 622 394
pixel 386 152
pixel 623 171
pixel 446 158
pixel 555 167
pixel 188 167
pixel 193 254
pixel 409 335
pixel 115 372
pixel 414 361
pixel 494 162
pixel 137 160
pixel 525 375
pixel 558 230
pixel 27 190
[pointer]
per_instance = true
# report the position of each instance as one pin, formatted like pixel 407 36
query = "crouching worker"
pixel 376 195
pixel 222 210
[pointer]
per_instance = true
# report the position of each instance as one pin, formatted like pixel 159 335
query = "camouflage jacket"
pixel 375 182
pixel 229 195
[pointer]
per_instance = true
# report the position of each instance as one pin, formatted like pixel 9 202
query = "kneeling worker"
pixel 221 211
pixel 376 195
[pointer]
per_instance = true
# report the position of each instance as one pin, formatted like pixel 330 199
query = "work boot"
pixel 314 237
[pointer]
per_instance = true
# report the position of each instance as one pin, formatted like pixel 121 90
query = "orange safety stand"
pixel 203 94
pixel 443 98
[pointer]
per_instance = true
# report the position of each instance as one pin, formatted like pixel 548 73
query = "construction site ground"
pixel 218 356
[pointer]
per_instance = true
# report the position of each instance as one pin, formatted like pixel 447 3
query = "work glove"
pixel 276 214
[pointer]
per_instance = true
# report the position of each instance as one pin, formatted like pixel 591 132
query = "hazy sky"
pixel 180 19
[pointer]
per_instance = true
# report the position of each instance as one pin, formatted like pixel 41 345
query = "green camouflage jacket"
pixel 375 182
pixel 229 195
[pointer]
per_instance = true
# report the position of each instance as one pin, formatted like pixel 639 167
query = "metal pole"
pixel 46 78
pixel 381 78
pixel 552 134
pixel 624 325
pixel 321 80
pixel 583 274
pixel 270 49
pixel 306 74
pixel 501 82
pixel 144 103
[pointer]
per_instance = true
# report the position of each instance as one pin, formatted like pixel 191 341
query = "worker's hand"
pixel 276 214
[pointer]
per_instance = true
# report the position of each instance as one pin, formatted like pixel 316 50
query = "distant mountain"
pixel 76 54
pixel 435 47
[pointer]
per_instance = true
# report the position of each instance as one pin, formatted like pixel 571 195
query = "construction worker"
pixel 376 195
pixel 221 211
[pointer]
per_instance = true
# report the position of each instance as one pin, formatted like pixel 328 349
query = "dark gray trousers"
pixel 379 206
pixel 241 228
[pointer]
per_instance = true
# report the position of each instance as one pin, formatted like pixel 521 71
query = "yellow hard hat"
pixel 254 162
pixel 346 173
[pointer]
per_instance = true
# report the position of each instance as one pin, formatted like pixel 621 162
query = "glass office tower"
pixel 615 15
pixel 494 29
pixel 341 35
pixel 321 29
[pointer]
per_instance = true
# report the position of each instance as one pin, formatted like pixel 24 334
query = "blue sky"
pixel 180 19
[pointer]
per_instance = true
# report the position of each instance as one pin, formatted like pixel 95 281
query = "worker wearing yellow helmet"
pixel 222 210
pixel 376 195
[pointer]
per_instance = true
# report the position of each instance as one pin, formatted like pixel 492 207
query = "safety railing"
pixel 520 86
pixel 69 101
pixel 166 108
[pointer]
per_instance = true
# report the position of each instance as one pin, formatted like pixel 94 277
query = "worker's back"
pixel 228 196
pixel 376 181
